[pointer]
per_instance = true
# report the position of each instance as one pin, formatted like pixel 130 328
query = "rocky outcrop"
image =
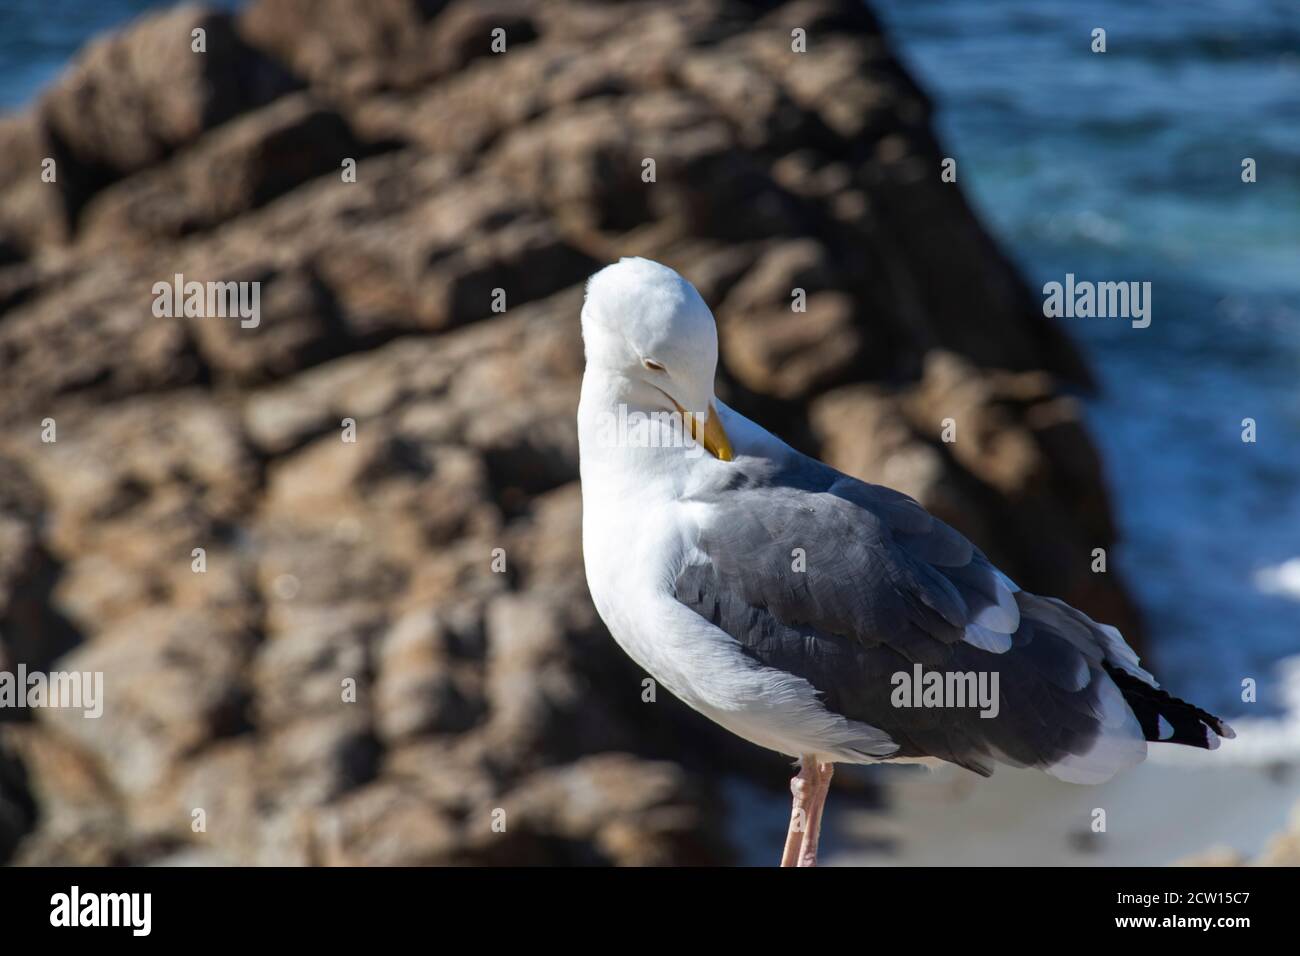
pixel 329 562
pixel 1282 849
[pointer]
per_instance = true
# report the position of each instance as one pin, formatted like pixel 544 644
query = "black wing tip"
pixel 1184 723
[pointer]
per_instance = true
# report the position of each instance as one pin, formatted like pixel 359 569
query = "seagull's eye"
pixel 652 365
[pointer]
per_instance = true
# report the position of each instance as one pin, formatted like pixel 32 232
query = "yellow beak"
pixel 714 439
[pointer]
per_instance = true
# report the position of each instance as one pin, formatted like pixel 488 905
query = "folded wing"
pixel 847 584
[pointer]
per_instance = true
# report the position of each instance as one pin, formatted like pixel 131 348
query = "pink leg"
pixel 808 848
pixel 800 788
pixel 808 787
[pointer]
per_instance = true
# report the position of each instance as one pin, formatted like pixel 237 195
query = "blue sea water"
pixel 1116 166
pixel 39 37
pixel 1126 165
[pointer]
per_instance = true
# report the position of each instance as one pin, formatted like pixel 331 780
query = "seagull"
pixel 814 614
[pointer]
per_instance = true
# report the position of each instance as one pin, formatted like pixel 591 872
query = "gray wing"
pixel 848 584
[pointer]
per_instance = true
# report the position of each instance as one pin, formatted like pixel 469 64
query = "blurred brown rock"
pixel 135 96
pixel 90 328
pixel 1282 849
pixel 243 165
pixel 33 211
pixel 330 563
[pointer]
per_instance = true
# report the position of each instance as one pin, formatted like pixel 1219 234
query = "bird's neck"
pixel 628 431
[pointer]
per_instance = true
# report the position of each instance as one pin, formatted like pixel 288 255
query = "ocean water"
pixel 1127 166
pixel 1116 166
pixel 39 37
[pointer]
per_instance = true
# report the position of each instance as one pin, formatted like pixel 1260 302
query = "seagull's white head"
pixel 647 327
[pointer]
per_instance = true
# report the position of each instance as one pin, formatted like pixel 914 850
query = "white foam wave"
pixel 1282 579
